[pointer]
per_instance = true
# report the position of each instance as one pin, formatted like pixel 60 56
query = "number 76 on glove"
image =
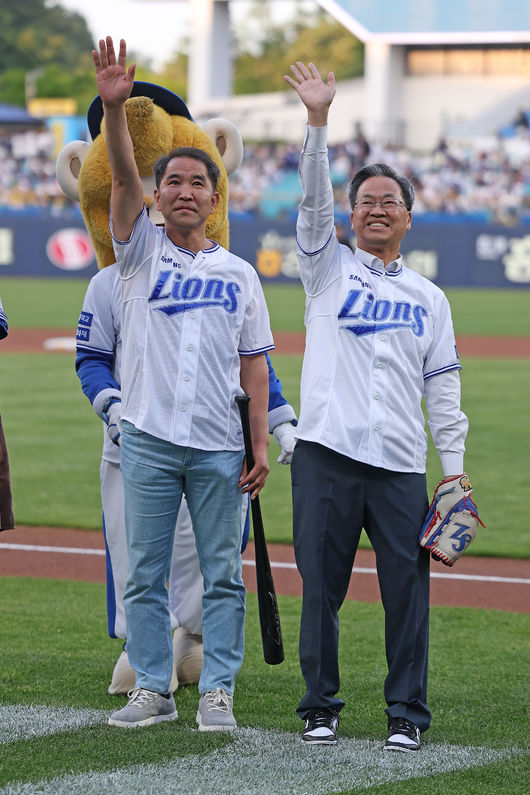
pixel 452 521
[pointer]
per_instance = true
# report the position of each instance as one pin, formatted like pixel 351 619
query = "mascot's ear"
pixel 227 139
pixel 68 166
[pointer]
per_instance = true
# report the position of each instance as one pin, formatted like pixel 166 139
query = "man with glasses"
pixel 379 337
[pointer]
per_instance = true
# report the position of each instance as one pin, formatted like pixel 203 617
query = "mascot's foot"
pixel 188 656
pixel 123 677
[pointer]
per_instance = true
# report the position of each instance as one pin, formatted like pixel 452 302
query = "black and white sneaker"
pixel 321 727
pixel 403 735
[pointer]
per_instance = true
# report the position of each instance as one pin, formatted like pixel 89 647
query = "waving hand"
pixel 316 95
pixel 113 79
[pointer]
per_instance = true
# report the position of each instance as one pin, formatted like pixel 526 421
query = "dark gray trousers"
pixel 334 497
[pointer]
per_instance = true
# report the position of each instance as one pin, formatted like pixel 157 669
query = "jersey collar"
pixel 375 265
pixel 213 250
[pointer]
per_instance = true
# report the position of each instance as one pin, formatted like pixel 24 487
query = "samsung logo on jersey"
pixel 373 316
pixel 169 261
pixel 182 295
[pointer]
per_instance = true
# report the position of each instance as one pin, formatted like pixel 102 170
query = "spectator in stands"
pixel 490 180
pixel 521 120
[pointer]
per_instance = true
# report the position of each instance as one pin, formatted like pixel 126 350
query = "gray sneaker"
pixel 144 709
pixel 215 712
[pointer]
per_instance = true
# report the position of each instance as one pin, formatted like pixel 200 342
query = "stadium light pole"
pixel 210 54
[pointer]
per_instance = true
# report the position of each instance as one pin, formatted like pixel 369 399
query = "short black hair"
pixel 212 168
pixel 380 170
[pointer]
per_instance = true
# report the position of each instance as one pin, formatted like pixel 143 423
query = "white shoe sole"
pixel 213 727
pixel 319 741
pixel 402 748
pixel 127 724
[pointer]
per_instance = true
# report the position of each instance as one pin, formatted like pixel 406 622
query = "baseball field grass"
pixel 54 437
pixel 56 663
pixel 56 660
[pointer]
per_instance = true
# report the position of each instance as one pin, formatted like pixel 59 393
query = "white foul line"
pixel 439 575
pixel 278 565
pixel 63 550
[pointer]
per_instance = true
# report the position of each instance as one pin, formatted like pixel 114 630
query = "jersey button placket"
pixel 188 370
pixel 379 389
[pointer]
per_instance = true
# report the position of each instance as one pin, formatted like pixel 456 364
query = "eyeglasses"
pixel 388 205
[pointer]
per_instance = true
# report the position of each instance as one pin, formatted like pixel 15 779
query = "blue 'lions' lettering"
pixel 380 315
pixel 182 295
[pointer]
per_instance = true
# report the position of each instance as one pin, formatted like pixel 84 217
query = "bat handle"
pixel 243 405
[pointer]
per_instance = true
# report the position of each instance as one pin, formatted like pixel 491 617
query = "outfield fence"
pixel 455 252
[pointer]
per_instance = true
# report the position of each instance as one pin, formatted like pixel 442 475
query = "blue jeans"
pixel 155 475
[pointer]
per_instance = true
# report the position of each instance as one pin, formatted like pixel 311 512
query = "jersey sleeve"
pixel 442 355
pixel 448 424
pixel 256 335
pixel 133 253
pixel 95 345
pixel 3 322
pixel 317 244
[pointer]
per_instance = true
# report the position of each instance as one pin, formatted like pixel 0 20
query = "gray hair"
pixel 380 170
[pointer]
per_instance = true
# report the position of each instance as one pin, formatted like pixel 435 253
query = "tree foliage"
pixel 263 59
pixel 41 42
pixel 34 34
pixel 45 52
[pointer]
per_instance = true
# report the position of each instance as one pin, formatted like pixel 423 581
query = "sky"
pixel 153 28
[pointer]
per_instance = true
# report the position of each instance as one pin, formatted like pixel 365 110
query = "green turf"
pixel 33 303
pixel 55 652
pixel 42 303
pixel 489 312
pixel 54 443
pixel 54 438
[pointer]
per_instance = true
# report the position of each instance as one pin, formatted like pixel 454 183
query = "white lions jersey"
pixel 374 336
pixel 186 320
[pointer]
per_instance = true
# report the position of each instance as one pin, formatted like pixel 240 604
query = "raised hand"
pixel 114 80
pixel 316 95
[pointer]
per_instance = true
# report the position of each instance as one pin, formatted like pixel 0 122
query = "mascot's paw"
pixel 188 656
pixel 123 677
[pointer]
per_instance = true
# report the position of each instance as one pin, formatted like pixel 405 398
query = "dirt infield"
pixel 59 553
pixel 38 341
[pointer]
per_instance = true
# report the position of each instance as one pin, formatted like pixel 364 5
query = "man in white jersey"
pixel 98 365
pixel 379 337
pixel 195 328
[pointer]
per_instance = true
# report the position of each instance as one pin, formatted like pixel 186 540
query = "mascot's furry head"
pixel 159 122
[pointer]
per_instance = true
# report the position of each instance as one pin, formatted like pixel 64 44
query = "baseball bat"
pixel 269 616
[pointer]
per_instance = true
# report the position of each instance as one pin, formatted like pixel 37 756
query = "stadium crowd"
pixel 27 173
pixel 488 179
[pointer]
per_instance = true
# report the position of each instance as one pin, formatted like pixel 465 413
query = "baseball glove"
pixel 452 521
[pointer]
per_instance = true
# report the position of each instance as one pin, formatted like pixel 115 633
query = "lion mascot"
pixel 159 122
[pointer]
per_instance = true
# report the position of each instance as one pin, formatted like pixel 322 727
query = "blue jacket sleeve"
pixel 3 322
pixel 95 373
pixel 279 409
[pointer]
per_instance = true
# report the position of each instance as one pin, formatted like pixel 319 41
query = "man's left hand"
pixel 452 520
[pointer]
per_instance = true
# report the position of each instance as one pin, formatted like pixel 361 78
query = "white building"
pixel 433 68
